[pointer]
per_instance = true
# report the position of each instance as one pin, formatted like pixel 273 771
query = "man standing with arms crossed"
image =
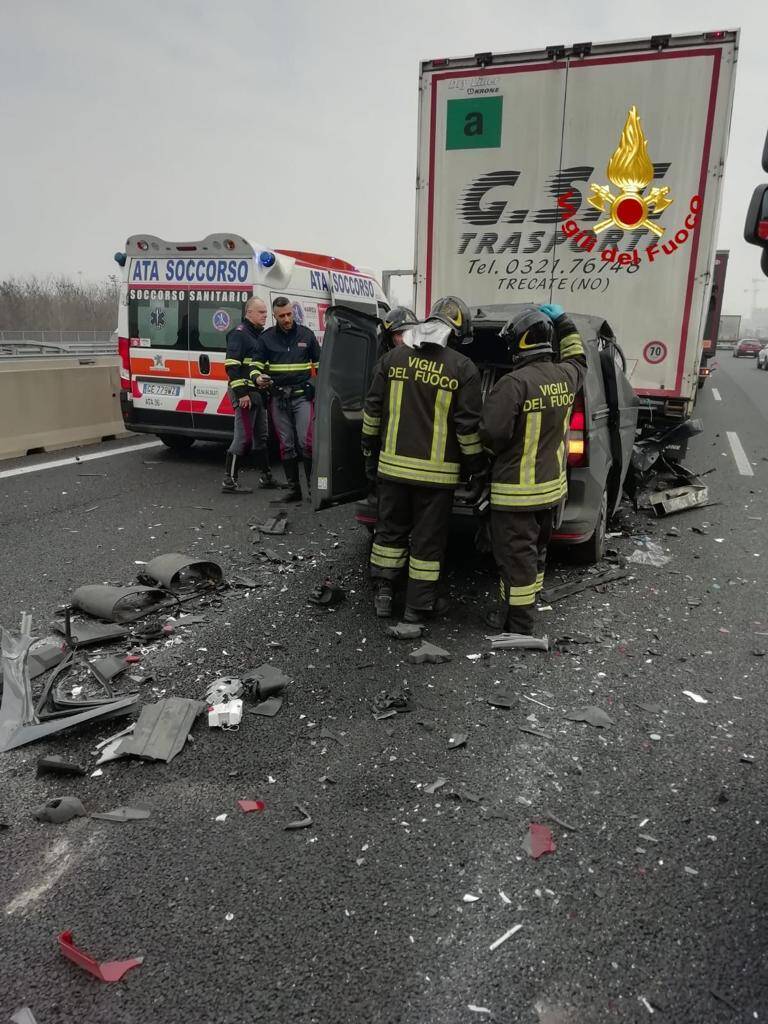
pixel 286 357
pixel 250 428
pixel 525 429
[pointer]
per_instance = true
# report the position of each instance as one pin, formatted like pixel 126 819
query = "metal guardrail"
pixel 30 344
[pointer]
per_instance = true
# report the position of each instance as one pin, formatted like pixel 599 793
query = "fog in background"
pixel 292 123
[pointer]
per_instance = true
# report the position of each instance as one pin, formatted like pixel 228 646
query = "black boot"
pixel 230 484
pixel 418 615
pixel 266 481
pixel 496 618
pixel 307 460
pixel 383 600
pixel 291 467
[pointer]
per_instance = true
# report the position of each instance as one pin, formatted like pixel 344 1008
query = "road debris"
pixel 227 715
pixel 111 970
pixel 328 734
pixel 267 708
pixel 679 499
pixel 501 700
pixel 23 1016
pixel 304 822
pixel 118 604
pixel 503 938
pixel 535 732
pixel 226 686
pixel 249 806
pixel 458 739
pixel 56 765
pixel 649 552
pixel 469 898
pixel 534 701
pixel 177 572
pixel 161 730
pixel 593 716
pixel 123 814
pixel 59 810
pixel 327 594
pixel 695 697
pixel 478 1009
pixel 265 681
pixel 275 526
pixel 398 701
pixel 518 641
pixel 538 841
pixel 428 654
pixel 552 594
pixel 559 821
pixel 406 631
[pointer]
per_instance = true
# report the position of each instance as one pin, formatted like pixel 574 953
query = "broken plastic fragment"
pixel 469 898
pixel 59 810
pixel 535 732
pixel 457 740
pixel 695 697
pixel 501 700
pixel 510 641
pixel 174 570
pixel 304 822
pixel 538 841
pixel 429 654
pixel 123 814
pixel 434 786
pixel 406 631
pixel 248 806
pixel 327 594
pixel 23 1016
pixel 503 938
pixel 274 527
pixel 265 681
pixel 111 970
pixel 593 716
pixel 58 766
pixel 118 604
pixel 267 708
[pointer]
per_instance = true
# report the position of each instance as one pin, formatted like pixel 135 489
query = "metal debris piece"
pixel 225 686
pixel 535 732
pixel 42 659
pixel 267 708
pixel 678 499
pixel 428 654
pixel 406 631
pixel 378 716
pixel 327 594
pixel 501 700
pixel 175 571
pixel 59 810
pixel 111 970
pixel 118 604
pixel 434 786
pixel 123 814
pixel 265 681
pixel 539 702
pixel 503 938
pixel 56 765
pixel 458 739
pixel 553 594
pixel 275 526
pixel 161 730
pixel 593 716
pixel 87 634
pixel 304 822
pixel 696 697
pixel 538 841
pixel 509 641
pixel 248 806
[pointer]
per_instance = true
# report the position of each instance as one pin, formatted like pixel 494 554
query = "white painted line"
pixel 716 395
pixel 75 460
pixel 742 462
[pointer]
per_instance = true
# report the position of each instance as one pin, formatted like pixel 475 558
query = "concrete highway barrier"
pixel 48 404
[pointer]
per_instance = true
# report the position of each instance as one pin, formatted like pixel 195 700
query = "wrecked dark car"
pixel 602 428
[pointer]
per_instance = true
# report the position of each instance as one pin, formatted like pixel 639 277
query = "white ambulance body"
pixel 179 300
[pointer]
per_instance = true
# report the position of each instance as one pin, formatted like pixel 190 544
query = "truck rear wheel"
pixel 593 550
pixel 176 442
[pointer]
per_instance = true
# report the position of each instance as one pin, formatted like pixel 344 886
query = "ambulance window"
pixel 162 321
pixel 214 321
pixel 350 371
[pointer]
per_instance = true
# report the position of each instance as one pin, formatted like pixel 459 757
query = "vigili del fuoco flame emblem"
pixel 631 171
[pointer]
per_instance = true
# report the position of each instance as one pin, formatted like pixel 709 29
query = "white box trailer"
pixel 729 330
pixel 589 176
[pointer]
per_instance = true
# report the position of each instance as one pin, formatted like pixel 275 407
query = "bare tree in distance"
pixel 58 303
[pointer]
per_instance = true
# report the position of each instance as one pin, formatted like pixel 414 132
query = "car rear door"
pixel 347 362
pixel 623 405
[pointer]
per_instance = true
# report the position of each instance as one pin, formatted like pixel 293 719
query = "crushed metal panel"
pixel 161 730
pixel 44 659
pixel 678 499
pixel 118 604
pixel 170 569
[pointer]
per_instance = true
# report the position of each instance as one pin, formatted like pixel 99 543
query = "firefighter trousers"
pixel 292 417
pixel 520 540
pixel 251 428
pixel 412 528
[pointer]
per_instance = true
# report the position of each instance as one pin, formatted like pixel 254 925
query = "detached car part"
pixel 110 970
pixel 118 604
pixel 161 730
pixel 176 571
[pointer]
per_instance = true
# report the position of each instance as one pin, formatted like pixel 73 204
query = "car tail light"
pixel 124 351
pixel 577 434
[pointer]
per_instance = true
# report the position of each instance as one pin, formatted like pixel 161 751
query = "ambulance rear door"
pixel 213 313
pixel 346 368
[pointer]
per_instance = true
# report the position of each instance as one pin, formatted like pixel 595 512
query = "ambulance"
pixel 178 301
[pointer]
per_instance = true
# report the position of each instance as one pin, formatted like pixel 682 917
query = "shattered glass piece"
pixel 248 806
pixel 469 897
pixel 56 765
pixel 434 786
pixel 406 631
pixel 593 716
pixel 428 654
pixel 174 571
pixel 538 841
pixel 123 814
pixel 303 822
pixel 649 552
pixel 59 810
pixel 111 970
pixel 267 708
pixel 458 739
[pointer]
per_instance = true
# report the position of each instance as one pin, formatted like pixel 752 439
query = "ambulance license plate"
pixel 162 390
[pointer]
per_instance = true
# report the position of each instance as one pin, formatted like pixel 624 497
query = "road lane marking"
pixel 716 395
pixel 75 460
pixel 740 456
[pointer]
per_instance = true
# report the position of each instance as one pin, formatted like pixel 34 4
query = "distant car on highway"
pixel 747 347
pixel 762 359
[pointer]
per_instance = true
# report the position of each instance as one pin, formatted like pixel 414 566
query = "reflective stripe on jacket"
pixel 241 349
pixel 289 357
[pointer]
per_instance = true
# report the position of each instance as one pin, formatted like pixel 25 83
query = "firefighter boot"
pixel 266 481
pixel 230 484
pixel 307 460
pixel 291 467
pixel 383 601
pixel 419 615
pixel 496 618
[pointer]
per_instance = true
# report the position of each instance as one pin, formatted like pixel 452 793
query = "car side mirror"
pixel 756 225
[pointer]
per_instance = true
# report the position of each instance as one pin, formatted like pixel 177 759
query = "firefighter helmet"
pixel 528 333
pixel 454 313
pixel 398 318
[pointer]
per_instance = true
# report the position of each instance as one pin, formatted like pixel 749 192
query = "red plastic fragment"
pixel 112 970
pixel 246 806
pixel 131 659
pixel 538 841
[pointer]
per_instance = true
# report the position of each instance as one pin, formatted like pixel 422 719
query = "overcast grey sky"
pixel 292 123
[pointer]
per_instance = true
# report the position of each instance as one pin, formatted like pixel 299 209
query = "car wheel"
pixel 176 442
pixel 593 550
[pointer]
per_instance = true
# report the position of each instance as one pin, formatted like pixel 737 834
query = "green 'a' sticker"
pixel 474 124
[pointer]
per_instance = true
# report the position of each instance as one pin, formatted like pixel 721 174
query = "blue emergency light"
pixel 267 259
pixel 120 258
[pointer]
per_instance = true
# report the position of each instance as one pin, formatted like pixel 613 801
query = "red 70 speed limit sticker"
pixel 655 352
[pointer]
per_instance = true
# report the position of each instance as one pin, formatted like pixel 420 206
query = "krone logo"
pixel 631 171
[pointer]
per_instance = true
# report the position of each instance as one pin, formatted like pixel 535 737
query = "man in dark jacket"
pixel 287 356
pixel 525 430
pixel 420 420
pixel 250 426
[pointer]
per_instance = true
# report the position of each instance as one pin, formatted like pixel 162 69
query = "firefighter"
pixel 250 424
pixel 421 420
pixel 524 427
pixel 287 356
pixel 393 324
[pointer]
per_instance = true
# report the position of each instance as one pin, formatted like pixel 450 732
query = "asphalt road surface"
pixel 653 904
